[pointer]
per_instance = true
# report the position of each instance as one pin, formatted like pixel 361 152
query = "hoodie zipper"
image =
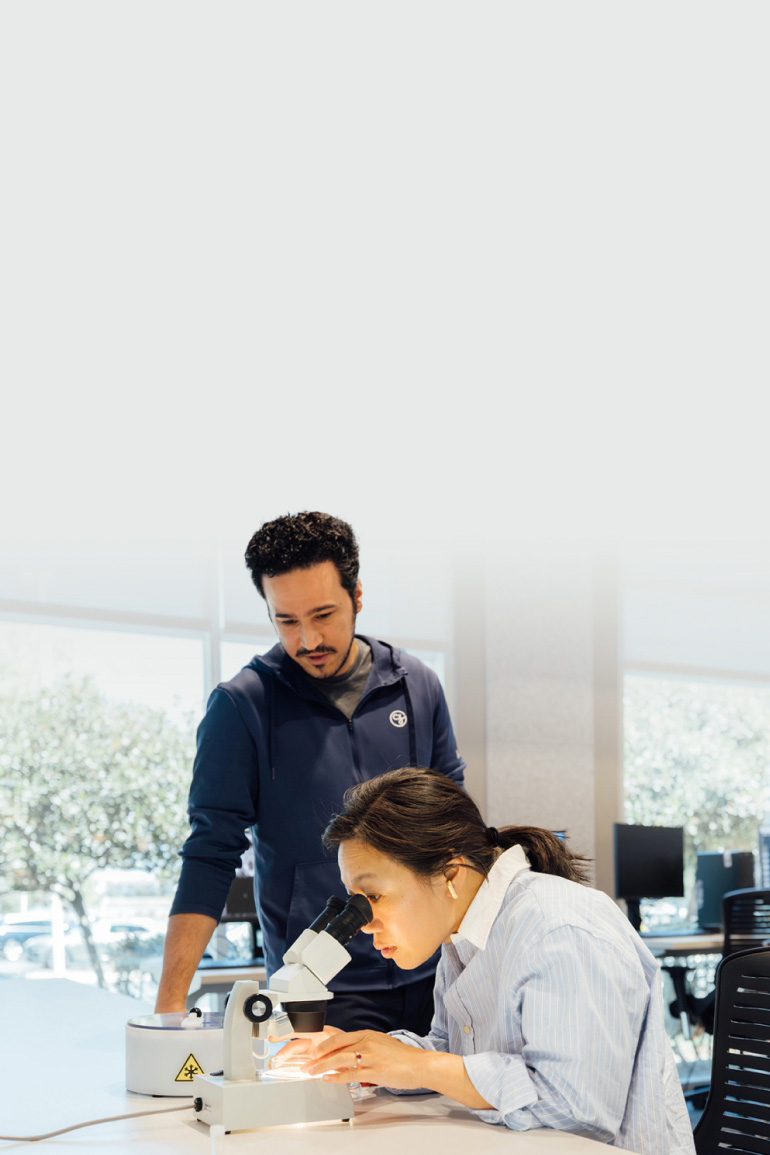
pixel 356 762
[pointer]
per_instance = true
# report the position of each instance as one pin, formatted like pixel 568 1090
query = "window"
pixel 236 655
pixel 160 671
pixel 95 722
pixel 697 754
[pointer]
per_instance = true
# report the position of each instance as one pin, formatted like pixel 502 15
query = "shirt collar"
pixel 483 911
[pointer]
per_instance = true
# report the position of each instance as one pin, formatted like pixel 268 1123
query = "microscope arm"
pixel 247 1006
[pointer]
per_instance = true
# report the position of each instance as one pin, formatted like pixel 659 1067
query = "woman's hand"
pixel 369 1057
pixel 365 1057
pixel 300 1047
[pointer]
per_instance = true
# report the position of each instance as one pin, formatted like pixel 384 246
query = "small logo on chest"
pixel 398 718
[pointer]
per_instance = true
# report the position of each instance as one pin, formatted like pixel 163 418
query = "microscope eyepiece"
pixel 346 918
pixel 333 907
pixel 355 914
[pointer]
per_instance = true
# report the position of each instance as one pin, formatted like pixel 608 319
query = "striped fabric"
pixel 555 1004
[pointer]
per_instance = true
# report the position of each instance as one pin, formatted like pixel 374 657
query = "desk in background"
pixel 216 977
pixel 62 1061
pixel 684 946
pixel 710 942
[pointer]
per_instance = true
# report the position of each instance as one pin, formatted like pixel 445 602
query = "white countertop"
pixel 62 1062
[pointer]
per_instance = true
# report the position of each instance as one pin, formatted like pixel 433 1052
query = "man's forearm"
pixel 187 937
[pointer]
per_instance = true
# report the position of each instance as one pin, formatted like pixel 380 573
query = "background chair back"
pixel 737 1112
pixel 746 919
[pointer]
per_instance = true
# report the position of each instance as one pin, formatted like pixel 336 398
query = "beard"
pixel 322 675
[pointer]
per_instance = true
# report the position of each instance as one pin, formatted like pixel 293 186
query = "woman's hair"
pixel 423 820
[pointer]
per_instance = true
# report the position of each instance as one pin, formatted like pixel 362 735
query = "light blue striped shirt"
pixel 555 1004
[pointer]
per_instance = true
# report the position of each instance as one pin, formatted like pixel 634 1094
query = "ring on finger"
pixel 358 1058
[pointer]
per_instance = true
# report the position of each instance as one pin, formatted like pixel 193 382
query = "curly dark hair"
pixel 300 540
pixel 423 820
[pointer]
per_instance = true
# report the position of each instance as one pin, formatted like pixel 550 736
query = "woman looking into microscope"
pixel 548 1007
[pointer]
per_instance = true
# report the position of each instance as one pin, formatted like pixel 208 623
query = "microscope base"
pixel 241 1106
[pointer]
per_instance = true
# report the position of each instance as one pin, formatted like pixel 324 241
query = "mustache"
pixel 317 650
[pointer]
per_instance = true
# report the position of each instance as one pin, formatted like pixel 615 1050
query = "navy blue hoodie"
pixel 274 754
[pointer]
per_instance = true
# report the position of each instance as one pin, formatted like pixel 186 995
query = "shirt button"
pixel 467 1029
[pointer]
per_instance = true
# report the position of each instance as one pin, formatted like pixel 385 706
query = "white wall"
pixel 540 696
pixel 699 610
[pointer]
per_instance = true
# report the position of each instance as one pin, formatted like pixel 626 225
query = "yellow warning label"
pixel 190 1068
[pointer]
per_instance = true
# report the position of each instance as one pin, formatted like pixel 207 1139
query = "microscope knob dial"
pixel 258 1008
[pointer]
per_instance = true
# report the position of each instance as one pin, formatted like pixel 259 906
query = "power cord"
pixel 92 1123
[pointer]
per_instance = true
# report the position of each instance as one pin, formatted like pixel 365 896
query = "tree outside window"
pixel 87 784
pixel 697 755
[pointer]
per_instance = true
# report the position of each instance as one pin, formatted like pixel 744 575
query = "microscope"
pixel 243 1097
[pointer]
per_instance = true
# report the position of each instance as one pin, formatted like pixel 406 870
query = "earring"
pixel 450 888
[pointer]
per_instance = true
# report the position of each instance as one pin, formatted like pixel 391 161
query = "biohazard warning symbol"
pixel 190 1068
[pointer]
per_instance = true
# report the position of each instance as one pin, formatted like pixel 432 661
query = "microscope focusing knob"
pixel 257 1008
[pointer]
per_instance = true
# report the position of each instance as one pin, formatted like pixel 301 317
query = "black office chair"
pixel 737 1111
pixel 745 923
pixel 745 919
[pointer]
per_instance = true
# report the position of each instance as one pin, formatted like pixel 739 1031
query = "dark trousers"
pixel 407 1008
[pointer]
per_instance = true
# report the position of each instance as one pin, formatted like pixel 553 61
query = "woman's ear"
pixel 450 873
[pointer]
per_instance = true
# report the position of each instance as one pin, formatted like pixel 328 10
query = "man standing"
pixel 277 748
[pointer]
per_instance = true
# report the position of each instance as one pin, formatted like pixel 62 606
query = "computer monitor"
pixel 717 872
pixel 649 863
pixel 764 855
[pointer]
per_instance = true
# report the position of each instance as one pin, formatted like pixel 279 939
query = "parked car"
pixel 111 937
pixel 16 930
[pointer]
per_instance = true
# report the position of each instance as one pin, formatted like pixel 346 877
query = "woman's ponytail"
pixel 547 853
